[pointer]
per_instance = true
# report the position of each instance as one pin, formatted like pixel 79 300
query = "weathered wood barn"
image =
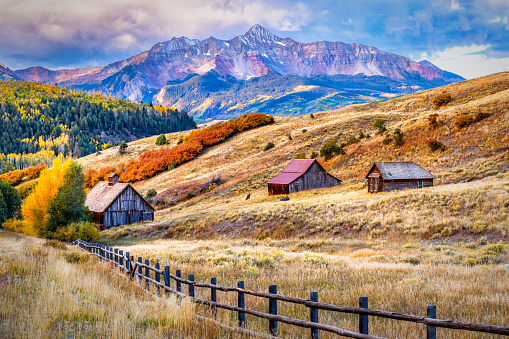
pixel 391 176
pixel 113 204
pixel 301 175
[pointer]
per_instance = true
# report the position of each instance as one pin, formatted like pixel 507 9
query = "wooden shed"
pixel 113 204
pixel 392 176
pixel 301 175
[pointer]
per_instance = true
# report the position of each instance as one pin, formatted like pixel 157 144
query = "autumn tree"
pixel 35 209
pixel 69 203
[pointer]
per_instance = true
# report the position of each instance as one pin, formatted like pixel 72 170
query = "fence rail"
pixel 135 269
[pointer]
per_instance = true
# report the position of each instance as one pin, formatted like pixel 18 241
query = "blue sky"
pixel 470 38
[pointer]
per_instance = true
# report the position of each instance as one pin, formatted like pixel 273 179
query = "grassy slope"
pixel 47 294
pixel 458 208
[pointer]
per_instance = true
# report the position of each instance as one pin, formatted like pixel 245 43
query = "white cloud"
pixel 455 5
pixel 45 28
pixel 468 61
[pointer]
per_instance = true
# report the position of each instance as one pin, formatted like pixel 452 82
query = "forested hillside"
pixel 40 121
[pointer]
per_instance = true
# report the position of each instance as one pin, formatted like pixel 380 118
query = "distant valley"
pixel 257 71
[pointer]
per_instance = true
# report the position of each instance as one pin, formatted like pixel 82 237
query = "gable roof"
pixel 294 170
pixel 102 196
pixel 400 170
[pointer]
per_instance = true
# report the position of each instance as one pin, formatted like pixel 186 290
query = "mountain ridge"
pixel 257 53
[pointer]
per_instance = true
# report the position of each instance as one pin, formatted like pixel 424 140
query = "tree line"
pixel 35 117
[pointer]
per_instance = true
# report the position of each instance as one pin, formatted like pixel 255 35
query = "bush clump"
pixel 331 148
pixel 379 124
pixel 270 145
pixel 435 145
pixel 399 137
pixel 76 257
pixel 441 100
pixel 463 121
pixel 161 140
pixel 151 193
pixel 83 230
pixel 432 121
pixel 301 155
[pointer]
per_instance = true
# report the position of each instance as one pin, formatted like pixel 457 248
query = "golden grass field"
pixel 470 198
pixel 49 292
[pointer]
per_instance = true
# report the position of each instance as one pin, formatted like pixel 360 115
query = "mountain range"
pixel 257 71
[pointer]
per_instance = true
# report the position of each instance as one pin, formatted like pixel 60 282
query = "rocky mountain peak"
pixel 174 44
pixel 259 34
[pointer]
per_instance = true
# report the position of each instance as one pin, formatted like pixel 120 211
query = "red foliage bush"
pixel 92 177
pixel 14 178
pixel 152 162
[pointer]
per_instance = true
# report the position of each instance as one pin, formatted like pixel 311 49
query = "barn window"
pixel 420 183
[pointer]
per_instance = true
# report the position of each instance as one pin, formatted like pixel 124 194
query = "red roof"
pixel 293 170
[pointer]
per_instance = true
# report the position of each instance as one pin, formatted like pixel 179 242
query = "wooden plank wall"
pixel 395 185
pixel 315 177
pixel 128 208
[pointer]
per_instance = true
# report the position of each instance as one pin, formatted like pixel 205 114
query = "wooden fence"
pixel 142 270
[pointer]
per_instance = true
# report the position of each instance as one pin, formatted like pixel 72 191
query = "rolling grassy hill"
pixel 470 199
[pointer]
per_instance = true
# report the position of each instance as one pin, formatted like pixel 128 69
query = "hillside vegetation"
pixel 457 132
pixel 40 121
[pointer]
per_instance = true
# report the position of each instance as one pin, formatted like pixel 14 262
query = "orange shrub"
pixel 92 177
pixel 153 162
pixel 14 178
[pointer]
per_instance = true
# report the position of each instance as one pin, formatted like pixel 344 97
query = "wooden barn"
pixel 113 204
pixel 301 175
pixel 392 176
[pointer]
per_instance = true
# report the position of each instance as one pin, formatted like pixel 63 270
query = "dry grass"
pixel 54 293
pixel 396 277
pixel 460 209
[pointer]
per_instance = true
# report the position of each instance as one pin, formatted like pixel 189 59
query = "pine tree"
pixel 69 203
pixel 11 199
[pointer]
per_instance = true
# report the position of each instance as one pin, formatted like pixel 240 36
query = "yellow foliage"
pixel 35 208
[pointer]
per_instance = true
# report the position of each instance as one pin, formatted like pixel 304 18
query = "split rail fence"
pixel 142 270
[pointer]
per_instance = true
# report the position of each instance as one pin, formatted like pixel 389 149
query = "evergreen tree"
pixel 3 209
pixel 69 203
pixel 161 140
pixel 11 200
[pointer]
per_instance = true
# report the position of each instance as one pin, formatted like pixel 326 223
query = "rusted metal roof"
pixel 401 170
pixel 284 178
pixel 298 166
pixel 292 171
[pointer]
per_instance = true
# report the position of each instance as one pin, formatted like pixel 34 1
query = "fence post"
pixel 158 280
pixel 363 318
pixel 241 304
pixel 106 253
pixel 179 285
pixel 121 259
pixel 99 252
pixel 127 264
pixel 213 297
pixel 147 272
pixel 167 278
pixel 273 310
pixel 116 256
pixel 313 314
pixel 191 287
pixel 140 270
pixel 431 331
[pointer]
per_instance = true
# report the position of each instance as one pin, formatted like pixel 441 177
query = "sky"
pixel 469 38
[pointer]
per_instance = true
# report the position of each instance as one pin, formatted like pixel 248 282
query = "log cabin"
pixel 300 175
pixel 392 176
pixel 113 204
